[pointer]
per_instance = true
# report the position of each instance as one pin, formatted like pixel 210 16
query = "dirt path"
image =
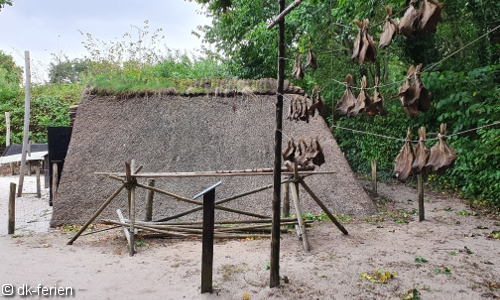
pixel 448 256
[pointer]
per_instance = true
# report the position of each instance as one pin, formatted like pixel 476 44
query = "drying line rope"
pixel 413 141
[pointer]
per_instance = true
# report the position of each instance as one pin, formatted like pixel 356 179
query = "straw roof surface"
pixel 178 133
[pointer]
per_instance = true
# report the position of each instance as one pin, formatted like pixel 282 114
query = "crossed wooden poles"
pixel 129 182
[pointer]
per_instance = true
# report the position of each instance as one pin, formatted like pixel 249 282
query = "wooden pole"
pixel 421 211
pixel 298 210
pixel 275 234
pixel 280 18
pixel 99 210
pixel 7 138
pixel 125 229
pixel 207 257
pixel 149 200
pixel 12 208
pixel 55 176
pixel 26 121
pixel 38 184
pixel 130 168
pixel 374 177
pixel 286 200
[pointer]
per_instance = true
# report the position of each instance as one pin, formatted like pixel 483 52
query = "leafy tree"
pixel 4 2
pixel 67 70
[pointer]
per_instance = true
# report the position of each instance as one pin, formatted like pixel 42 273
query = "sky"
pixel 52 26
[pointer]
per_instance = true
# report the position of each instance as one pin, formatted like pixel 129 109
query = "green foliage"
pixel 67 70
pixel 4 2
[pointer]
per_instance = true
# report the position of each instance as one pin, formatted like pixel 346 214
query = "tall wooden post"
pixel 275 234
pixel 26 121
pixel 374 177
pixel 12 208
pixel 7 137
pixel 38 185
pixel 286 199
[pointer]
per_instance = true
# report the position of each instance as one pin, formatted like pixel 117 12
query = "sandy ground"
pixel 447 256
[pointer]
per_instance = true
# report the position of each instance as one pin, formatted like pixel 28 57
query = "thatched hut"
pixel 213 125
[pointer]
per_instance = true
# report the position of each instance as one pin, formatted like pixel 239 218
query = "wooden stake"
pixel 207 257
pixel 149 200
pixel 97 213
pixel 7 138
pixel 125 229
pixel 374 177
pixel 286 200
pixel 298 210
pixel 421 211
pixel 131 192
pixel 38 185
pixel 12 208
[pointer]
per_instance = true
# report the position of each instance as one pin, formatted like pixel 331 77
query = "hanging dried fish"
pixel 430 15
pixel 407 94
pixel 362 101
pixel 421 153
pixel 311 61
pixel 302 153
pixel 378 100
pixel 291 109
pixel 368 50
pixel 298 72
pixel 404 160
pixel 442 156
pixel 390 30
pixel 289 152
pixel 317 102
pixel 421 93
pixel 348 100
pixel 409 21
pixel 357 42
pixel 316 152
pixel 304 111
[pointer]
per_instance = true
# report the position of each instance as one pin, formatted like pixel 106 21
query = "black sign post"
pixel 207 255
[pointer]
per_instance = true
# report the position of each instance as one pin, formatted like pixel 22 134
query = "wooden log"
pixel 131 193
pixel 99 210
pixel 286 199
pixel 176 216
pixel 170 233
pixel 149 200
pixel 421 210
pixel 200 203
pixel 374 177
pixel 12 208
pixel 323 207
pixel 219 222
pixel 281 16
pixel 27 107
pixel 125 229
pixel 38 185
pixel 208 174
pixel 298 210
pixel 101 230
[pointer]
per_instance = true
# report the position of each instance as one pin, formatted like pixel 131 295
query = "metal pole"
pixel 26 121
pixel 275 234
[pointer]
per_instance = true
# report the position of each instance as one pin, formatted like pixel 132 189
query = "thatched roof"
pixel 175 133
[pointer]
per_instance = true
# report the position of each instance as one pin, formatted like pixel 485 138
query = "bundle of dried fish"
pixel 409 21
pixel 316 152
pixel 302 153
pixel 289 152
pixel 348 100
pixel 362 101
pixel 298 72
pixel 421 153
pixel 378 100
pixel 442 156
pixel 364 46
pixel 430 15
pixel 404 160
pixel 317 102
pixel 298 110
pixel 311 61
pixel 414 96
pixel 424 96
pixel 390 30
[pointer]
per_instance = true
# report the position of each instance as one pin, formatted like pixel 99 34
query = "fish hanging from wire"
pixel 298 110
pixel 364 47
pixel 390 30
pixel 413 94
pixel 409 21
pixel 404 160
pixel 297 71
pixel 421 153
pixel 362 101
pixel 430 15
pixel 317 102
pixel 348 100
pixel 306 155
pixel 442 156
pixel 311 61
pixel 376 105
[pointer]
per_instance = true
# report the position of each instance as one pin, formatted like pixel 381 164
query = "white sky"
pixel 51 26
